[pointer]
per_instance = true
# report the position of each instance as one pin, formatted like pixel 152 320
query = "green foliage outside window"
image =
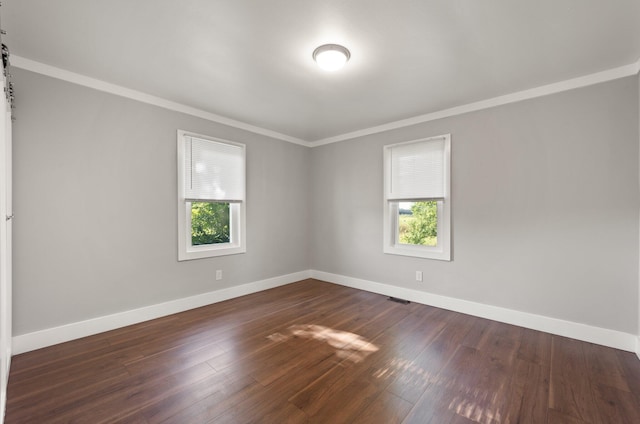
pixel 209 223
pixel 419 226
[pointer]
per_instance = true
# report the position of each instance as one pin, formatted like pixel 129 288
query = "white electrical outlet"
pixel 418 275
pixel 219 274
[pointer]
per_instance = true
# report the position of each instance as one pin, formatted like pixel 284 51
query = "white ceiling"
pixel 250 60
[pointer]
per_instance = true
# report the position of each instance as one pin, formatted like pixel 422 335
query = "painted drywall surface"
pixel 545 207
pixel 95 205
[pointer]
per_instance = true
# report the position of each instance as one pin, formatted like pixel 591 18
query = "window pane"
pixel 418 223
pixel 209 223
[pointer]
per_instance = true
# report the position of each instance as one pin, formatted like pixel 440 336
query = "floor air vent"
pixel 395 299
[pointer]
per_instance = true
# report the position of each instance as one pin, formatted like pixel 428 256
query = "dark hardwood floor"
pixel 321 353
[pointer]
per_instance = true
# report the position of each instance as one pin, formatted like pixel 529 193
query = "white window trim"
pixel 237 211
pixel 391 243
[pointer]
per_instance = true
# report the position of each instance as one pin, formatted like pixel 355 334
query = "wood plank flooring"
pixel 314 352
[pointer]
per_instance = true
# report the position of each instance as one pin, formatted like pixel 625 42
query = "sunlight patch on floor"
pixel 349 346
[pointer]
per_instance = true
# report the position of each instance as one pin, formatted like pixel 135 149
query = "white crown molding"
pixel 64 333
pixel 545 90
pixel 574 330
pixel 96 84
pixel 584 81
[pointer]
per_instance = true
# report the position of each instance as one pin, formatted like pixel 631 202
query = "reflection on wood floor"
pixel 321 353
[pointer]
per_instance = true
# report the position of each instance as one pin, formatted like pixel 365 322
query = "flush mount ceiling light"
pixel 331 57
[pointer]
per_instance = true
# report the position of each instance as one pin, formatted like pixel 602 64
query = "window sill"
pixel 210 252
pixel 419 252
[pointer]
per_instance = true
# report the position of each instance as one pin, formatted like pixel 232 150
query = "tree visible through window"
pixel 209 223
pixel 418 223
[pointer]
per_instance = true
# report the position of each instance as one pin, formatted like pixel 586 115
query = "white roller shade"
pixel 417 170
pixel 213 171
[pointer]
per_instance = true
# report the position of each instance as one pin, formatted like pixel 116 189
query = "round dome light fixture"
pixel 331 57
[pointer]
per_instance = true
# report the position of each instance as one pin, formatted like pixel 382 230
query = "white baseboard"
pixel 3 385
pixel 574 330
pixel 50 336
pixel 602 336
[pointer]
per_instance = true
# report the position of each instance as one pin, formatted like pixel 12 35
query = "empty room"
pixel 337 211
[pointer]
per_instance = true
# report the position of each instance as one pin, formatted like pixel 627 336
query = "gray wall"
pixel 545 207
pixel 95 205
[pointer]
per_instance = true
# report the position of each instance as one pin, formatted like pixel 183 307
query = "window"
pixel 211 197
pixel 417 198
